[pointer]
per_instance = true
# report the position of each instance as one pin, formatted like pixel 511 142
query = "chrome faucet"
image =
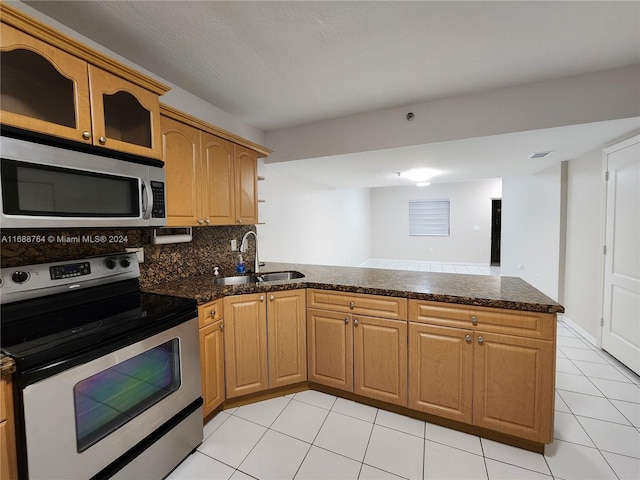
pixel 243 249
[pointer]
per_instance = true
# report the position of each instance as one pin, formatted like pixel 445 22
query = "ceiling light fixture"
pixel 420 174
pixel 423 184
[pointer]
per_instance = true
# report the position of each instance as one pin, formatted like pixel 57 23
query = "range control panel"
pixel 31 281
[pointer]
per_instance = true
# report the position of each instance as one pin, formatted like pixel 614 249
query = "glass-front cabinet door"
pixel 126 117
pixel 43 88
pixel 47 90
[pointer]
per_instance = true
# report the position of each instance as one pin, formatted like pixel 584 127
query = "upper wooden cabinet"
pixel 53 85
pixel 210 179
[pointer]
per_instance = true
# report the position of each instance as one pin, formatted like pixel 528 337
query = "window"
pixel 429 217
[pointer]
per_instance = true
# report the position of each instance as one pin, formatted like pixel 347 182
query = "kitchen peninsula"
pixel 471 352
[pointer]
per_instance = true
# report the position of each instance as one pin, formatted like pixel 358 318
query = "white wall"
pixel 532 229
pixel 584 243
pixel 470 207
pixel 311 223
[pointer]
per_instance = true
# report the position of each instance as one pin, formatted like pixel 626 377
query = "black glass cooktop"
pixel 50 329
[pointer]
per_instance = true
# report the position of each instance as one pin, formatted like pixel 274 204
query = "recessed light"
pixel 423 184
pixel 420 174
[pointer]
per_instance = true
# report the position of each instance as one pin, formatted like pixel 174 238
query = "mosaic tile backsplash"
pixel 210 247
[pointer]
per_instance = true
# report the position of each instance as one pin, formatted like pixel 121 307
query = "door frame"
pixel 603 229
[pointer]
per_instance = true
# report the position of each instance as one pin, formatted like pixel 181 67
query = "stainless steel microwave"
pixel 44 186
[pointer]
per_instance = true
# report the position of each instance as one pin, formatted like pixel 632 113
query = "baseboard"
pixel 581 331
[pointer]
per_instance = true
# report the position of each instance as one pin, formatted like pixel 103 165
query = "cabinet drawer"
pixel 511 322
pixel 357 303
pixel 210 312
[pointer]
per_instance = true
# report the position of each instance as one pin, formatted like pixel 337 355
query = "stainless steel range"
pixel 108 377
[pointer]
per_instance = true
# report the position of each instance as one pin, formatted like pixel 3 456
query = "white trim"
pixel 581 331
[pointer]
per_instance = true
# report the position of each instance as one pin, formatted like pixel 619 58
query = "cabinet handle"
pixel 474 320
pixel 222 326
pixel 102 140
pixel 239 220
pixel 86 135
pixel 200 221
pixel 262 298
pixel 351 305
pixel 346 320
pixel 468 338
pixel 480 340
pixel 207 221
pixel 272 298
pixel 355 322
pixel 213 313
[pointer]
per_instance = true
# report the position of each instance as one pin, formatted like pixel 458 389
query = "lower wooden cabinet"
pixel 212 366
pixel 359 354
pixel 210 319
pixel 265 341
pixel 476 375
pixel 8 465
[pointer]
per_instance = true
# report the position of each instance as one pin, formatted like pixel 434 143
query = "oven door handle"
pixel 147 200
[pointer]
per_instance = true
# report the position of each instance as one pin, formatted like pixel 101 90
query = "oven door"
pixel 79 421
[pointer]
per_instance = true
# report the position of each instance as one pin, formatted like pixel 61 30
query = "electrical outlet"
pixel 234 245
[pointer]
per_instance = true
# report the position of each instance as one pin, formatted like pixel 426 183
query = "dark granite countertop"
pixel 7 365
pixel 478 290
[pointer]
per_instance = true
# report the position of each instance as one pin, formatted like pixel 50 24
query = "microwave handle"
pixel 147 200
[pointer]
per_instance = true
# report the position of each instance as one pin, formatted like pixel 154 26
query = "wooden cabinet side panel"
pixel 287 338
pixel 181 154
pixel 245 344
pixel 218 185
pixel 361 304
pixel 514 386
pixel 330 344
pixel 380 359
pixel 8 459
pixel 212 366
pixel 69 67
pixel 246 172
pixel 440 371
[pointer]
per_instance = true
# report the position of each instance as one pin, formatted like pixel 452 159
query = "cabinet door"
pixel 441 371
pixel 380 359
pixel 125 117
pixel 246 171
pixel 218 192
pixel 245 344
pixel 212 366
pixel 513 386
pixel 287 338
pixel 44 89
pixel 330 349
pixel 181 154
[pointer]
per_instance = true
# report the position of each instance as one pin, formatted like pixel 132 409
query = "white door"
pixel 621 299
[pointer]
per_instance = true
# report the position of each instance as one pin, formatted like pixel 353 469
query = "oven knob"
pixel 125 262
pixel 111 263
pixel 20 276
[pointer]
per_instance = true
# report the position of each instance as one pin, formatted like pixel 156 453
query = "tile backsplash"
pixel 210 247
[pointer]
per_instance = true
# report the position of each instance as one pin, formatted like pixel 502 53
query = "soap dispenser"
pixel 240 265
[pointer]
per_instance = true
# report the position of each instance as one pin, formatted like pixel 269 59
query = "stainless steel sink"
pixel 253 278
pixel 275 276
pixel 236 280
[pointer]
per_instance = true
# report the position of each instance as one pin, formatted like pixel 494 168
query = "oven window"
pixel 109 399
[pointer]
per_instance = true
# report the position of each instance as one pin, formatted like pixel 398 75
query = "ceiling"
pixel 281 64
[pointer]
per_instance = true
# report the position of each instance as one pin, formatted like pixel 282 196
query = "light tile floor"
pixel 311 435
pixel 421 266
